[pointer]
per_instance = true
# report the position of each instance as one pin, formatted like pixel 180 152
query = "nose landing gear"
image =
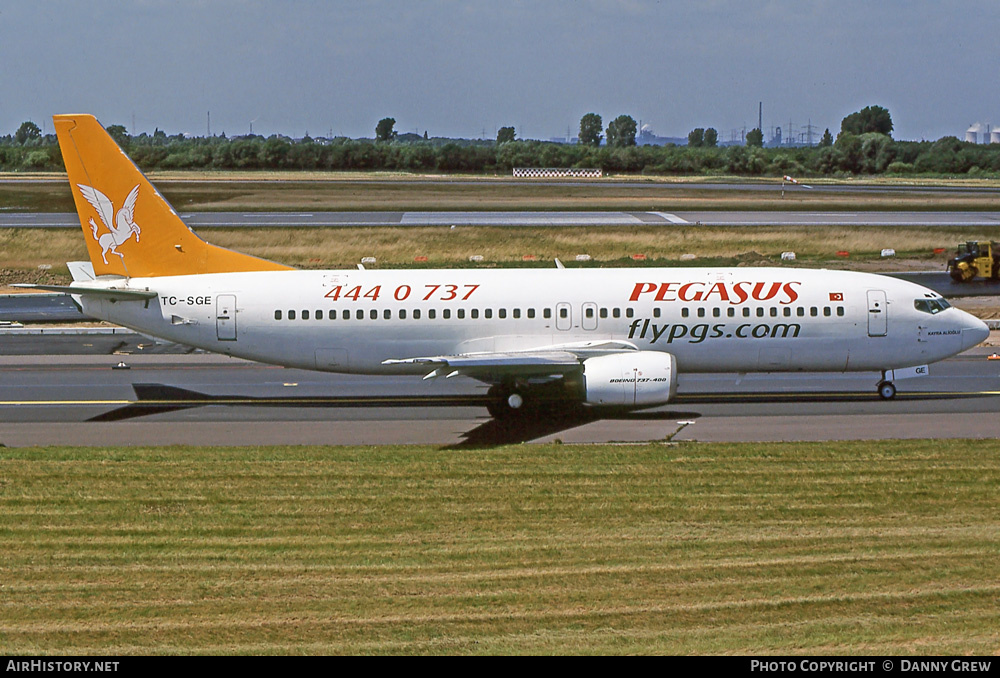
pixel 886 389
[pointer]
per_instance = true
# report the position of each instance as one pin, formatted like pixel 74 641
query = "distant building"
pixel 981 134
pixel 647 137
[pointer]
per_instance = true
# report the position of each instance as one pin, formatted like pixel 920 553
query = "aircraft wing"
pixel 553 360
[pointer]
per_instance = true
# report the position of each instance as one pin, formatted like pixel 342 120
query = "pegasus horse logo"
pixel 120 228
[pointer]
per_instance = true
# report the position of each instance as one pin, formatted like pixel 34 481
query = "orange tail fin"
pixel 130 229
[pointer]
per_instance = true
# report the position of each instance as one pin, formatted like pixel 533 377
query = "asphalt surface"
pixel 65 397
pixel 198 220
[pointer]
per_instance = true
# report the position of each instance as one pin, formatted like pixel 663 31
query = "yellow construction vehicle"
pixel 975 260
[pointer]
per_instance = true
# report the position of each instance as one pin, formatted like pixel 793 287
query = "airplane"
pixel 614 337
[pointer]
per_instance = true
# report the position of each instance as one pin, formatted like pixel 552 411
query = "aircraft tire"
pixel 504 403
pixel 886 390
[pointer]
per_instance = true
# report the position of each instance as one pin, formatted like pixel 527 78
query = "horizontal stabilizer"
pixel 105 292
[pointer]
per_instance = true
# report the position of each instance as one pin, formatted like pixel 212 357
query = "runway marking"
pixel 444 401
pixel 672 218
pixel 470 399
pixel 65 403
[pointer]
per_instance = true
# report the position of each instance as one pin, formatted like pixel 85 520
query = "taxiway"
pixel 202 399
pixel 199 220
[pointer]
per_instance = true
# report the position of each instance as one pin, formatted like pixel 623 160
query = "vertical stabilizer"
pixel 130 229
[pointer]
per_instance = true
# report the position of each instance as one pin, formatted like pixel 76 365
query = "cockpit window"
pixel 931 306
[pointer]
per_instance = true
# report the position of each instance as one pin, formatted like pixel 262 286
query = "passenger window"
pixel 588 312
pixel 800 311
pixel 291 315
pixel 826 311
pixel 813 311
pixel 431 314
pixel 716 312
pixel 461 313
pixel 277 315
pixel 387 314
pixel 840 311
pixel 746 312
pixel 402 314
pixel 701 312
pixel 446 313
pixel 502 313
pixel 563 312
pixel 373 314
pixel 629 312
pixel 416 314
pixel 604 313
pixel 488 313
pixel 547 313
pixel 305 315
pixel 685 312
pixel 531 313
pixel 774 311
pixel 760 312
pixel 787 312
pixel 359 314
pixel 475 313
pixel 656 312
pixel 517 313
pixel 617 312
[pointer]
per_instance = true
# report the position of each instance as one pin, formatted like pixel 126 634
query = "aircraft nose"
pixel 974 332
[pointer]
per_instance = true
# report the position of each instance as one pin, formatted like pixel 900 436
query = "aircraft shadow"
pixel 495 432
pixel 160 398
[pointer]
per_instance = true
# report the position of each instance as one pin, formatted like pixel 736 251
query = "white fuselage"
pixel 742 319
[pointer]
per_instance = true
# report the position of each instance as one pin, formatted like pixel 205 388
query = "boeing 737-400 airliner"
pixel 600 337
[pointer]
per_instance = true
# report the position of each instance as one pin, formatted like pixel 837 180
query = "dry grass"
pixel 445 246
pixel 873 548
pixel 22 251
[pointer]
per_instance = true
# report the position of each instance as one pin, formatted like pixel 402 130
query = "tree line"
pixel 864 146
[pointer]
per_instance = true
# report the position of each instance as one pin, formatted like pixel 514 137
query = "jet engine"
pixel 640 378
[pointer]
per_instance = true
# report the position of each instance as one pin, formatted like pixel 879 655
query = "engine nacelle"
pixel 630 379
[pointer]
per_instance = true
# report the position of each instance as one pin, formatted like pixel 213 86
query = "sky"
pixel 464 68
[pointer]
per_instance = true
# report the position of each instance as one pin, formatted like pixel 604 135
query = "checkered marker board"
pixel 555 172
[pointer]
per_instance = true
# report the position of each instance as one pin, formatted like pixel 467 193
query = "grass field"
pixel 868 548
pixel 22 251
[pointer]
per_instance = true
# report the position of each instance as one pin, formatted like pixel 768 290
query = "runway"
pixel 199 220
pixel 202 399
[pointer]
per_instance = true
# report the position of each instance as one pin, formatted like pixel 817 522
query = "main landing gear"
pixel 504 402
pixel 518 400
pixel 886 389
